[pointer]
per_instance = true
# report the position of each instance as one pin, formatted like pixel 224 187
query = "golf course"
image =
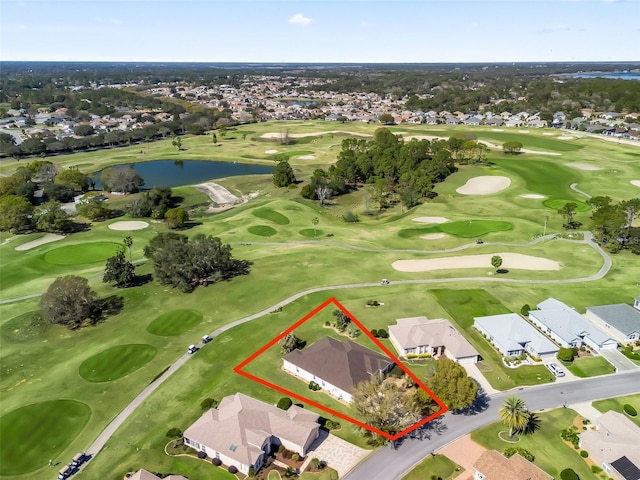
pixel 60 388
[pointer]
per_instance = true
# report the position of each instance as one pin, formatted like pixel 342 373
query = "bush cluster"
pixel 284 403
pixel 350 217
pixel 524 453
pixel 570 435
pixel 584 453
pixel 567 354
pixel 233 469
pixel 216 462
pixel 314 386
pixel 629 410
pixel 202 454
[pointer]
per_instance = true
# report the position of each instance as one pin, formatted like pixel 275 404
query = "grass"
pixel 116 362
pixel 25 327
pixel 434 465
pixel 327 473
pixel 617 403
pixel 590 367
pixel 274 475
pixel 551 453
pixel 558 203
pixel 464 229
pixel 174 322
pixel 262 230
pixel 82 254
pixel 287 155
pixel 33 434
pixel 311 233
pixel 271 215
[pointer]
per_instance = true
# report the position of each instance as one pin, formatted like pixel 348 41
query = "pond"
pixel 174 173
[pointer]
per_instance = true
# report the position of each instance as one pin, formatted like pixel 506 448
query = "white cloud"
pixel 299 19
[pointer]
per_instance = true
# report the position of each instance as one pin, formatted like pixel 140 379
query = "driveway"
pixel 474 372
pixel 618 360
pixel 337 453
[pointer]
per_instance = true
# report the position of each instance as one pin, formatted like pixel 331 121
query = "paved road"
pixel 390 464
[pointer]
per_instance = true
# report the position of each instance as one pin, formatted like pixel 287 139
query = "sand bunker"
pixel 306 157
pixel 583 166
pixel 533 195
pixel 270 152
pixel 566 137
pixel 484 185
pixel 523 131
pixel 548 134
pixel 130 225
pixel 497 129
pixel 635 182
pixel 510 261
pixel 433 236
pixel 430 219
pixel 50 237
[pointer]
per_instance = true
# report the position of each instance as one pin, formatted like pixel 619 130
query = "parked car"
pixel 192 349
pixel 555 369
pixel 384 281
pixel 206 339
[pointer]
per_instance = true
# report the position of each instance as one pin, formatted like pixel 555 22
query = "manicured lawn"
pixel 174 322
pixel 327 473
pixel 294 153
pixel 33 434
pixel 262 230
pixel 551 453
pixel 82 253
pixel 558 203
pixel 311 233
pixel 116 362
pixel 274 475
pixel 437 465
pixel 617 403
pixel 271 215
pixel 464 229
pixel 590 367
pixel 25 327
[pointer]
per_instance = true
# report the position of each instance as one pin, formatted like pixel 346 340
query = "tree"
pixel 409 197
pixel 214 137
pixel 289 343
pixel 631 209
pixel 451 384
pixel 15 213
pixel 73 178
pixel 342 320
pixel 186 263
pixel 315 222
pixel 119 271
pixel 121 179
pixel 68 301
pixel 512 147
pixel 385 405
pixel 9 185
pixel 567 212
pixel 386 119
pixel 84 130
pixel 283 175
pixel 128 241
pixel 93 209
pixel 60 193
pixel 50 217
pixel 176 217
pixel 515 414
pixel 496 262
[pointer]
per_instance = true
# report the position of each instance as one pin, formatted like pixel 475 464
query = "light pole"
pixel 546 219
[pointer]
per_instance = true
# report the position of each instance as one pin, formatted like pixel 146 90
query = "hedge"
pixel 569 474
pixel 629 410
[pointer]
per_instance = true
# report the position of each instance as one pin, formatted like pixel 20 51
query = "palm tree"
pixel 515 414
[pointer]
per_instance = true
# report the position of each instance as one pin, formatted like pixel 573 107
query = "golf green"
pixel 174 322
pixel 558 203
pixel 116 362
pixel 82 253
pixel 465 229
pixel 33 434
pixel 311 233
pixel 271 215
pixel 262 230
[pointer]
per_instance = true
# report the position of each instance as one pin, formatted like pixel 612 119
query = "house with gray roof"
pixel 242 431
pixel 568 328
pixel 620 320
pixel 337 367
pixel 419 335
pixel 512 335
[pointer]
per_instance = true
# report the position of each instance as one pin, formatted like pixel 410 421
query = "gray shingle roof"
pixel 623 317
pixel 512 332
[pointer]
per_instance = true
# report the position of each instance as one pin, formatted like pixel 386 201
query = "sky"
pixel 320 31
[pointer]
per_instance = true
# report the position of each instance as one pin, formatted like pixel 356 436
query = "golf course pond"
pixel 174 173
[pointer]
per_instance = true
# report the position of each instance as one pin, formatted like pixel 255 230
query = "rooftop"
pixel 495 466
pixel 416 331
pixel 620 315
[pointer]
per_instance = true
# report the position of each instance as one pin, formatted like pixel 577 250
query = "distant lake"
pixel 618 75
pixel 175 173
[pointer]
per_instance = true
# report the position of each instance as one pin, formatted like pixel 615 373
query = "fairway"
pixel 271 215
pixel 24 327
pixel 174 322
pixel 31 435
pixel 262 230
pixel 464 229
pixel 82 253
pixel 116 362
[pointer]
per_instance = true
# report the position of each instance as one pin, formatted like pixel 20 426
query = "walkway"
pixel 574 187
pixel 338 454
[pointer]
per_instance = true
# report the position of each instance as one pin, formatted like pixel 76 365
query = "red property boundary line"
pixel 239 370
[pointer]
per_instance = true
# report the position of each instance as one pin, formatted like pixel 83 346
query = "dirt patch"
pixel 533 195
pixel 433 236
pixel 497 129
pixel 50 237
pixel 270 152
pixel 510 261
pixel 523 131
pixel 583 166
pixel 222 198
pixel 128 225
pixel 548 134
pixel 484 185
pixel 430 219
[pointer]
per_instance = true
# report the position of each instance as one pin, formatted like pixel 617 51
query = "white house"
pixel 567 327
pixel 336 366
pixel 242 430
pixel 419 335
pixel 620 320
pixel 512 335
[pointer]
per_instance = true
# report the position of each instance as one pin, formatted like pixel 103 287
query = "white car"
pixel 555 369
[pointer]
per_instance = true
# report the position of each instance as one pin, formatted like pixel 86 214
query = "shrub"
pixel 316 463
pixel 216 462
pixel 354 333
pixel 584 453
pixel 374 332
pixel 524 311
pixel 252 471
pixel 295 457
pixel 202 454
pixel 208 403
pixel 350 217
pixel 524 453
pixel 629 410
pixel 567 354
pixel 595 469
pixel 383 333
pixel 569 435
pixel 327 323
pixel 569 474
pixel 424 355
pixel 289 472
pixel 174 432
pixel 328 424
pixel 411 355
pixel 232 469
pixel 373 303
pixel 284 403
pixel 630 353
pixel 314 386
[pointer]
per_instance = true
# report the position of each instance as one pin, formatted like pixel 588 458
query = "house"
pixel 242 430
pixel 613 444
pixel 622 321
pixel 142 474
pixel 419 335
pixel 512 335
pixel 494 466
pixel 494 121
pixel 568 328
pixel 336 366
